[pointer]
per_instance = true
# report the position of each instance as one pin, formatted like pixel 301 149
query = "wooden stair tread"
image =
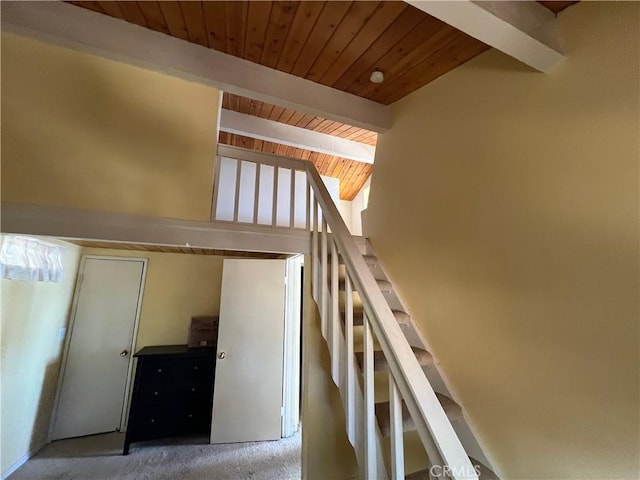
pixel 403 318
pixel 451 408
pixel 369 259
pixel 384 286
pixel 380 362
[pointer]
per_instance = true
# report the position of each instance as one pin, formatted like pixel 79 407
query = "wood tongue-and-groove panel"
pixel 450 47
pixel 318 36
pixel 192 20
pixel 362 66
pixel 304 20
pixel 215 20
pixel 280 21
pixel 359 14
pixel 175 16
pixel 382 18
pixel 335 43
pixel 257 23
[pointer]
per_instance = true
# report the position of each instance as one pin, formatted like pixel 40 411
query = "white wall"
pixel 358 204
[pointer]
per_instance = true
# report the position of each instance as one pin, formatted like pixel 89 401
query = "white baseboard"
pixel 22 460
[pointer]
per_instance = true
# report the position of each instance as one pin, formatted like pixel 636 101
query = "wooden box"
pixel 203 332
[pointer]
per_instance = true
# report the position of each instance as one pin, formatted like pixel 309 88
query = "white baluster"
pixel 324 290
pixel 256 199
pixel 216 189
pixel 236 200
pixel 315 260
pixel 307 206
pixel 370 471
pixel 274 200
pixel 397 431
pixel 335 316
pixel 350 363
pixel 292 206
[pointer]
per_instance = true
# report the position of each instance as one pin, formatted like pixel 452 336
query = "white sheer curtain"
pixel 31 259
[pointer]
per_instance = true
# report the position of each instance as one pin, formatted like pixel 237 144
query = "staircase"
pixel 416 462
pixel 401 418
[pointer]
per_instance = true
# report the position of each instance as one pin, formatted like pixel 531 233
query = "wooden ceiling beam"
pixel 524 30
pixel 297 137
pixel 91 32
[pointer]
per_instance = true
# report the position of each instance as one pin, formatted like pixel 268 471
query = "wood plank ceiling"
pixel 167 249
pixel 335 43
pixel 351 174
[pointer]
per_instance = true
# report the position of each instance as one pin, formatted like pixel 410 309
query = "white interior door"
pixel 247 399
pixel 292 323
pixel 94 382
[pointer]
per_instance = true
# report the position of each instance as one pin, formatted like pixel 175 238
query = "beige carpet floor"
pixel 100 457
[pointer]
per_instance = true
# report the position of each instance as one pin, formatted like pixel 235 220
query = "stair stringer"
pixel 464 428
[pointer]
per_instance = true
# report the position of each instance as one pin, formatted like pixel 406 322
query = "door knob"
pixel 124 353
pixel 222 355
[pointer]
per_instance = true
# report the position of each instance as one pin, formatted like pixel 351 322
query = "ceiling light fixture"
pixel 377 76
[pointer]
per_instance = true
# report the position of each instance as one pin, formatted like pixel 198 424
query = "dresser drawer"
pixel 177 371
pixel 153 422
pixel 160 371
pixel 190 393
pixel 198 370
pixel 196 419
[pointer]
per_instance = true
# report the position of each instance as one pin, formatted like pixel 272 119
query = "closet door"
pixel 92 394
pixel 247 400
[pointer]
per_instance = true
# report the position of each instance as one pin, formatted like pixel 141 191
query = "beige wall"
pixel 326 451
pixel 82 131
pixel 32 313
pixel 504 205
pixel 178 287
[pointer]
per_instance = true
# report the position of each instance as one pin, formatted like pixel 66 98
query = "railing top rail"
pixel 262 158
pixel 428 415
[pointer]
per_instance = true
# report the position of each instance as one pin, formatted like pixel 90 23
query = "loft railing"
pixel 260 190
pixel 309 206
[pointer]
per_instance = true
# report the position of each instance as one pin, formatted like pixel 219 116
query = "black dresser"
pixel 172 393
